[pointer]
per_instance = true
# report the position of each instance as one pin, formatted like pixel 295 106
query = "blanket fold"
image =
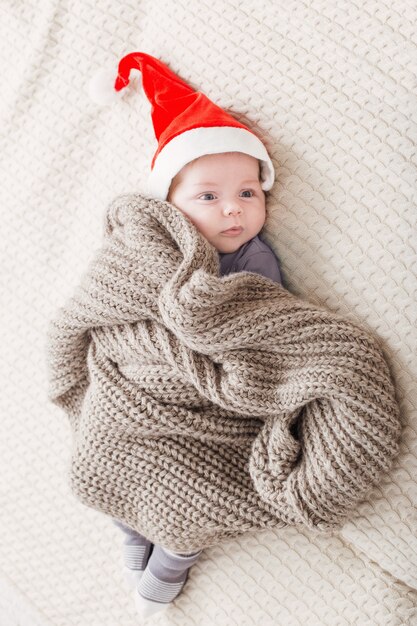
pixel 203 406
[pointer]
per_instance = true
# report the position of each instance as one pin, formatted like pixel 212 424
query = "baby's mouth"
pixel 235 230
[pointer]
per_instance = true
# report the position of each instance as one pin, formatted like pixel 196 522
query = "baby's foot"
pixel 162 580
pixel 136 552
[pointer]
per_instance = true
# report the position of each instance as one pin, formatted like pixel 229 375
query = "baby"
pixel 222 196
pixel 215 171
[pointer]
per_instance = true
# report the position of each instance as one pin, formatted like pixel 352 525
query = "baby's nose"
pixel 232 208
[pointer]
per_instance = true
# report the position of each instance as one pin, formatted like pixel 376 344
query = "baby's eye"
pixel 247 193
pixel 207 196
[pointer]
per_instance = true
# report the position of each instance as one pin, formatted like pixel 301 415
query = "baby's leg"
pixel 136 551
pixel 163 579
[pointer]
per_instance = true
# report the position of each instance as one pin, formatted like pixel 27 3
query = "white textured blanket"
pixel 329 86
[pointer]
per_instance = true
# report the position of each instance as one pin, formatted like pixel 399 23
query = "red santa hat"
pixel 187 124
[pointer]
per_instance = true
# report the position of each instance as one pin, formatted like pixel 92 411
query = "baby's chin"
pixel 228 246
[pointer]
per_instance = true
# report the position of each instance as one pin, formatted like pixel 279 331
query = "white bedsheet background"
pixel 330 86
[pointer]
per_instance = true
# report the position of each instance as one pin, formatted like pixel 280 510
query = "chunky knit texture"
pixel 204 406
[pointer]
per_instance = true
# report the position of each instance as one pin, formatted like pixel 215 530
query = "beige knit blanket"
pixel 206 406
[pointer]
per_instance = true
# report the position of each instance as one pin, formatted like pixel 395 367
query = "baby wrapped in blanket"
pixel 206 400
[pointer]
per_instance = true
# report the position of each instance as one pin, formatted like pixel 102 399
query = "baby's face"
pixel 219 192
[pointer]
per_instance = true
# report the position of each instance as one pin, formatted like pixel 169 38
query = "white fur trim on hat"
pixel 198 142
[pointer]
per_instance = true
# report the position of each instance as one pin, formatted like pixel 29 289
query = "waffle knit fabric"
pixel 203 406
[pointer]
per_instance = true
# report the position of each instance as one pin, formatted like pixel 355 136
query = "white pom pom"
pixel 101 87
